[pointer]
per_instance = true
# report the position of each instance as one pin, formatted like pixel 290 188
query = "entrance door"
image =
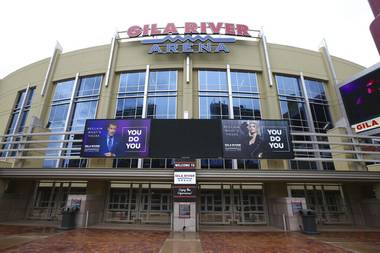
pixel 326 200
pixel 50 198
pixel 139 203
pixel 231 204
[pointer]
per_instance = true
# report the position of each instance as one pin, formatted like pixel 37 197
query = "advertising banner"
pixel 116 138
pixel 361 100
pixel 257 139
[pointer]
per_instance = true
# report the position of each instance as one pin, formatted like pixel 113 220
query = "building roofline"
pixel 202 175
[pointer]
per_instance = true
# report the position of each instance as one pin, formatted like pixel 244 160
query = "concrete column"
pixel 270 107
pixel 273 191
pixel 376 189
pixel 363 207
pixel 185 91
pixel 15 201
pixel 96 200
pixel 47 88
pixel 107 98
pixel 3 186
pixel 342 165
pixel 187 224
pixel 100 163
pixel 35 127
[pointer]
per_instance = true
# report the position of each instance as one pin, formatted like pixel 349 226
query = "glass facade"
pixel 18 119
pixel 73 103
pixel 161 104
pixel 214 101
pixel 84 104
pixel 293 108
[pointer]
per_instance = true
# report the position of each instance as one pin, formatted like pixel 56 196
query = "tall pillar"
pixel 47 87
pixel 274 191
pixel 376 189
pixel 15 201
pixel 107 99
pixel 270 107
pixel 185 91
pixel 95 201
pixel 342 165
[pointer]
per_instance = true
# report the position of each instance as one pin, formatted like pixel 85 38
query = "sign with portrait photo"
pixel 116 138
pixel 257 139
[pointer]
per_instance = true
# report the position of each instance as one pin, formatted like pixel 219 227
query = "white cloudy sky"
pixel 29 29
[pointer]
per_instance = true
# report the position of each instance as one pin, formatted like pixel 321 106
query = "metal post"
pixel 331 69
pixel 310 120
pixel 69 115
pixel 145 105
pixel 223 203
pixel 187 69
pixel 51 67
pixel 230 106
pixel 111 60
pixel 266 58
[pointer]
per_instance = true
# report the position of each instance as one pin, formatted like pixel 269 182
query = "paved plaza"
pixel 49 239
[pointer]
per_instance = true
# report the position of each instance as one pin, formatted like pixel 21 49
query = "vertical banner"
pixel 116 138
pixel 185 184
pixel 257 139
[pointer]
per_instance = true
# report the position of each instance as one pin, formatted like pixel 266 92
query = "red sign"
pixel 367 125
pixel 190 28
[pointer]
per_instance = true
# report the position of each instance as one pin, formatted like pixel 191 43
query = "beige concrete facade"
pixel 244 55
pixel 133 56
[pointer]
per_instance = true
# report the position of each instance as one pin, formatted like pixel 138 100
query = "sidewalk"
pixel 19 239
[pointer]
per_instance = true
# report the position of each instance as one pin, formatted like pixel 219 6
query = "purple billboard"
pixel 361 97
pixel 116 138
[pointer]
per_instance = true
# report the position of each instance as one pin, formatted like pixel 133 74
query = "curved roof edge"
pixel 76 51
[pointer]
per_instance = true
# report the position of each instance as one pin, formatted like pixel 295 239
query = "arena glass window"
pixel 293 108
pixel 214 101
pixel 161 104
pixel 17 120
pixel 84 105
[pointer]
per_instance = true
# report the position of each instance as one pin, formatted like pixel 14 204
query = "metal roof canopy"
pixel 202 175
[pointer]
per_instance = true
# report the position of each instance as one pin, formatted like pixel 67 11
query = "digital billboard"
pixel 116 138
pixel 361 100
pixel 257 139
pixel 186 138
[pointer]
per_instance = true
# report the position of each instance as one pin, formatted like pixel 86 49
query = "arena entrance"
pixel 326 200
pixel 139 203
pixel 231 204
pixel 50 198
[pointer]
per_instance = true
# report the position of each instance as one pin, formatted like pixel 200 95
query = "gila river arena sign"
pixel 193 38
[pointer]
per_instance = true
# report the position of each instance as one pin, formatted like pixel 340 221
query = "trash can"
pixel 309 224
pixel 68 218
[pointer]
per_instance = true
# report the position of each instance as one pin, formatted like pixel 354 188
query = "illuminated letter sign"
pixel 190 28
pixel 192 37
pixel 188 44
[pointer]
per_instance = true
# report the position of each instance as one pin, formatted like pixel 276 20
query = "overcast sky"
pixel 29 28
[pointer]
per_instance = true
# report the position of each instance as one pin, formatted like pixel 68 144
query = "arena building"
pixel 196 71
